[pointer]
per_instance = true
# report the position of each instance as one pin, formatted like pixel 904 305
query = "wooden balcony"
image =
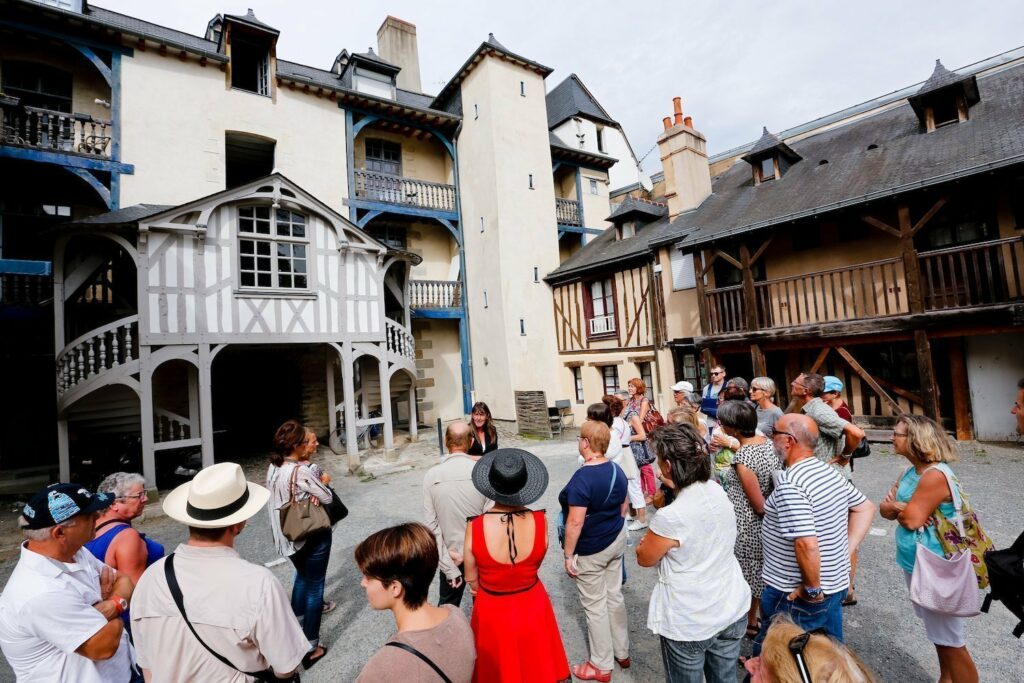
pixel 56 131
pixel 421 194
pixel 567 212
pixel 25 283
pixel 435 294
pixel 985 274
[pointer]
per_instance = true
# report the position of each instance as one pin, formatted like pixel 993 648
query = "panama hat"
pixel 217 496
pixel 510 476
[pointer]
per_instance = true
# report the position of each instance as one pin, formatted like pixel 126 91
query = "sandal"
pixel 309 660
pixel 329 606
pixel 588 672
pixel 624 662
pixel 753 630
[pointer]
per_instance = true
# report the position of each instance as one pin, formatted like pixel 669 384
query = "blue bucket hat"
pixel 833 384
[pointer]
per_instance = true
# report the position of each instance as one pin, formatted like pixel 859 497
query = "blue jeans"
pixel 308 592
pixel 827 614
pixel 713 660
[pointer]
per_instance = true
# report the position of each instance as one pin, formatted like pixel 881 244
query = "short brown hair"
pixel 406 553
pixel 639 385
pixel 287 438
pixel 598 434
pixel 454 437
pixel 614 403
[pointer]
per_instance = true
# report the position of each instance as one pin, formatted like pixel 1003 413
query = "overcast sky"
pixel 737 65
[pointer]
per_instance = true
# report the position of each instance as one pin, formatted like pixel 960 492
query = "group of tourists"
pixel 753 534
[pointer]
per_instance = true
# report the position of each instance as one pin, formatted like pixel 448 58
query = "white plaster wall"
pixel 175 115
pixel 498 151
pixel 994 365
pixel 622 173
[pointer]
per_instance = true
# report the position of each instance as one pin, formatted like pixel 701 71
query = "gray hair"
pixel 765 384
pixel 119 483
pixel 39 535
pixel 805 432
pixel 739 382
pixel 693 398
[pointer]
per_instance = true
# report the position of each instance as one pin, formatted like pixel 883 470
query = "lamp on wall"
pixel 102 103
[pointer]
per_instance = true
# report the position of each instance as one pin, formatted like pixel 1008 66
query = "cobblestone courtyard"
pixel 881 628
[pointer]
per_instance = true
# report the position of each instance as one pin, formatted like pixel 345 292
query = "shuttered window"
pixel 683 275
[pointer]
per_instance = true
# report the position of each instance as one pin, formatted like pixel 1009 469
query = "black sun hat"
pixel 510 476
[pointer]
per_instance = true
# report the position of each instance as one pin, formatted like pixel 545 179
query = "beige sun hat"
pixel 217 496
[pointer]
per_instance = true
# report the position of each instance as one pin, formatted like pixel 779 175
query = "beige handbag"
pixel 301 518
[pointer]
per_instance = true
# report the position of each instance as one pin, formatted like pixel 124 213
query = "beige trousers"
pixel 600 586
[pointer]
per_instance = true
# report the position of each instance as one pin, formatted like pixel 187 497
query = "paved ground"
pixel 881 629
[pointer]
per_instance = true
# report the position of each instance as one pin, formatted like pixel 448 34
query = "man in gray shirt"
pixel 449 499
pixel 837 438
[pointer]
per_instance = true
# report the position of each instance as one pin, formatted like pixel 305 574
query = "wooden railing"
pixel 435 294
pixel 602 324
pixel 169 426
pixel 567 212
pixel 725 310
pixel 382 187
pixel 56 131
pixel 399 339
pixel 973 275
pixel 18 289
pixel 96 351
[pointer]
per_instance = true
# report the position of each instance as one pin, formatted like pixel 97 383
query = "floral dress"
pixel 762 461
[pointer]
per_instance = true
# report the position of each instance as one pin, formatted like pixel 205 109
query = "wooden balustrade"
pixel 399 340
pixel 725 310
pixel 170 426
pixel 435 294
pixel 56 131
pixel 567 212
pixel 382 187
pixel 17 289
pixel 97 351
pixel 973 275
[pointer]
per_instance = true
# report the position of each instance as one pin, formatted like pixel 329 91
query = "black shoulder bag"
pixel 426 659
pixel 267 675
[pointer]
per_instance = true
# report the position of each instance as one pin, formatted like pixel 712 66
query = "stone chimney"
pixel 396 43
pixel 684 159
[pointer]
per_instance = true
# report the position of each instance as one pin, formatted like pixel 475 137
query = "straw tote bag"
pixel 301 518
pixel 947 586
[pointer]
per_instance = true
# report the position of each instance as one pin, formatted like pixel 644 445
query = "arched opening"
pixel 99 284
pixel 104 434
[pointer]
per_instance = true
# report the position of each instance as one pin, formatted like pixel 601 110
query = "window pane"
pixel 767 168
pixel 263 248
pixel 247 247
pixel 299 265
pixel 248 263
pixel 300 282
pixel 285 281
pixel 248 279
pixel 263 280
pixel 263 264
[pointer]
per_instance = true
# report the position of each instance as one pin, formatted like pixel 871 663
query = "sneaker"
pixel 636 525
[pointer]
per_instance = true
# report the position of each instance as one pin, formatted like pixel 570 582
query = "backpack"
pixel 1006 578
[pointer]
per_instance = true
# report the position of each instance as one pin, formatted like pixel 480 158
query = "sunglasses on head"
pixel 796 648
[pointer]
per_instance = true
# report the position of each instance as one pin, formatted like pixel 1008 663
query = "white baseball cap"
pixel 683 386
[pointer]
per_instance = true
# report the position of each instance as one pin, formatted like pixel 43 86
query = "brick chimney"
pixel 396 43
pixel 684 159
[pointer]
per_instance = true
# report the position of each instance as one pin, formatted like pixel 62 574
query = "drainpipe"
pixel 464 336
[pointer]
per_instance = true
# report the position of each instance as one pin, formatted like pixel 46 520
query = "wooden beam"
pixel 929 215
pixel 869 380
pixel 749 296
pixel 911 264
pixel 900 391
pixel 758 362
pixel 711 261
pixel 820 360
pixel 761 249
pixel 961 396
pixel 729 258
pixel 702 299
pixel 885 227
pixel 925 369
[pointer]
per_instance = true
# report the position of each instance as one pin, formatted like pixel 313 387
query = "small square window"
pixel 577 382
pixel 767 169
pixel 610 378
pixel 522 88
pixel 593 186
pixel 531 181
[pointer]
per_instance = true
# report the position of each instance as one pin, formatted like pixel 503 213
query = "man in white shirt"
pixel 60 611
pixel 449 499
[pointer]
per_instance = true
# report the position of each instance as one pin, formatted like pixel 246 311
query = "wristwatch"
pixel 120 603
pixel 813 593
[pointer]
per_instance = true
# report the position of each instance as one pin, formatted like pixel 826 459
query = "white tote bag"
pixel 947 586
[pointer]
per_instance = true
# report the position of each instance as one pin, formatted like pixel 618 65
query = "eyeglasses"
pixel 140 496
pixel 796 648
pixel 901 435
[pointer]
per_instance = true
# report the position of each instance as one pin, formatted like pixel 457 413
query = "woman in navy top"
pixel 485 436
pixel 594 508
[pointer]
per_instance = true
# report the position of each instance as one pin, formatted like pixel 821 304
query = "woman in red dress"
pixel 517 637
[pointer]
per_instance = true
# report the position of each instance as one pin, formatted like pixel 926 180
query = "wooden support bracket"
pixel 885 227
pixel 869 380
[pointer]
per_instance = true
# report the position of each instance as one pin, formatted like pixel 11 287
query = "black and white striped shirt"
pixel 810 499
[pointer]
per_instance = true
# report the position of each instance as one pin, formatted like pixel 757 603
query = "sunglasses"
pixel 796 648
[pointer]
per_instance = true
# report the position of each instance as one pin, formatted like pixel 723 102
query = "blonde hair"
pixel 598 434
pixel 926 440
pixel 682 416
pixel 827 660
pixel 765 384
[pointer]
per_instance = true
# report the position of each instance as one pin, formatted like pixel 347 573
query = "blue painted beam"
pixel 437 313
pixel 404 209
pixel 62 159
pixel 577 229
pixel 9 266
pixel 453 230
pixel 112 46
pixel 350 152
pixel 369 216
pixel 579 194
pixel 96 61
pixel 94 183
pixel 369 117
pixel 467 362
pixel 577 164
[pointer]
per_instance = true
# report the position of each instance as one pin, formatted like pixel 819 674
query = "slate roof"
pixel 129 214
pixel 157 33
pixel 571 98
pixel 632 206
pixel 767 142
pixel 941 79
pixel 491 44
pixel 251 20
pixel 375 59
pixel 905 159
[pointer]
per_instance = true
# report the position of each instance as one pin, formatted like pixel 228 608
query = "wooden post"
pixel 749 297
pixel 911 266
pixel 709 361
pixel 757 359
pixel 348 389
pixel 702 300
pixel 961 390
pixel 63 451
pixel 926 371
pixel 205 403
pixel 146 417
pixel 385 406
pixel 332 402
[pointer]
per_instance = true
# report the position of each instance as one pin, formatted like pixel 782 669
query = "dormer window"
pixel 628 229
pixel 373 83
pixel 770 158
pixel 944 99
pixel 367 73
pixel 250 44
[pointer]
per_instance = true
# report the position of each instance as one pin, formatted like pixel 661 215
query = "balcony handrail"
pixel 396 189
pixel 435 293
pixel 730 288
pixel 40 128
pixel 78 116
pixel 97 332
pixel 973 245
pixel 391 176
pixel 830 271
pixel 607 324
pixel 567 211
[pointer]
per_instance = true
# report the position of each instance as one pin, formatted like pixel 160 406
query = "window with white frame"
pixel 272 246
pixel 610 378
pixel 602 307
pixel 648 379
pixel 577 382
